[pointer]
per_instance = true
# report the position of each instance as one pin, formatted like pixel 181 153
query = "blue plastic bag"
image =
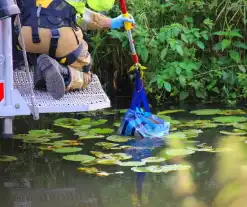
pixel 140 123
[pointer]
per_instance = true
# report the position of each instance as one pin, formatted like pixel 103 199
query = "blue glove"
pixel 118 22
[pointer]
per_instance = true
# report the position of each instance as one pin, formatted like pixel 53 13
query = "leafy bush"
pixel 194 50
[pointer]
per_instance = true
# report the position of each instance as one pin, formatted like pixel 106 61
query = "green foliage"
pixel 194 50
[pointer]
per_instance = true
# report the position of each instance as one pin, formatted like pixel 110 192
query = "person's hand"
pixel 118 22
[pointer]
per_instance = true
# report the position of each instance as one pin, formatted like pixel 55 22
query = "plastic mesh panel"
pixel 91 98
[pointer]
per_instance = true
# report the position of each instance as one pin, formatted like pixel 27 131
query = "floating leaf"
pixel 117 138
pixel 117 124
pixel 132 163
pixel 102 131
pixel 108 161
pixel 79 158
pixel 179 152
pixel 161 169
pixel 88 121
pixel 153 159
pixel 67 150
pixel 102 174
pixel 121 156
pixel 66 143
pixel 206 111
pixel 106 145
pixel 241 126
pixel 123 111
pixel 233 133
pixel 230 119
pixel 192 132
pixel 91 137
pixel 170 111
pixel 232 112
pixel 81 128
pixel 45 148
pixel 67 122
pixel 97 154
pixel 7 158
pixel 88 170
pixel 176 135
pixel 40 132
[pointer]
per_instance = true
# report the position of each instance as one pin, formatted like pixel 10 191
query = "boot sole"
pixel 54 80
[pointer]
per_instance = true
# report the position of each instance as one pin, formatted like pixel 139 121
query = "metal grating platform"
pixel 91 98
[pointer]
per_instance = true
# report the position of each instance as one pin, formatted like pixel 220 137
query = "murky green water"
pixel 42 178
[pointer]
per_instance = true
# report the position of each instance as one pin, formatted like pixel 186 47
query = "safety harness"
pixel 56 15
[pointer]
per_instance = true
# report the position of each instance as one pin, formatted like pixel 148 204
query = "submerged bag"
pixel 140 123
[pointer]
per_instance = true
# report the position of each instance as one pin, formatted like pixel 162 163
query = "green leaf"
pixel 220 33
pixel 225 43
pixel 240 45
pixel 144 54
pixel 200 44
pixel 163 53
pixel 167 86
pixel 67 150
pixel 184 38
pixel 234 55
pixel 183 95
pixel 179 49
pixel 242 68
pixel 234 34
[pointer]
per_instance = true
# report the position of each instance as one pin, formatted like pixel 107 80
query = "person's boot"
pixel 76 81
pixel 54 75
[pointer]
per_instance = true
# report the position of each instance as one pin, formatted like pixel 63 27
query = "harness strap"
pixel 65 14
pixel 139 95
pixel 71 57
pixel 35 29
pixel 54 42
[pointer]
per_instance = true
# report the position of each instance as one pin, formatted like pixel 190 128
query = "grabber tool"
pixel 136 121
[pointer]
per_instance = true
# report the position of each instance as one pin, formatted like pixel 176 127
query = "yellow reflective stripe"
pixel 44 3
pixel 18 47
pixel 63 60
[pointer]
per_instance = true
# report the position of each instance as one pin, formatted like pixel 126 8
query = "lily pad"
pixel 132 163
pixel 81 128
pixel 206 111
pixel 171 111
pixel 117 124
pixel 117 138
pixel 230 119
pixel 65 143
pixel 192 132
pixel 106 145
pixel 89 121
pixel 91 137
pixel 233 112
pixel 67 122
pixel 241 126
pixel 7 158
pixel 176 135
pixel 121 156
pixel 40 132
pixel 67 150
pixel 161 169
pixel 102 131
pixel 108 161
pixel 79 158
pixel 88 170
pixel 233 133
pixel 179 152
pixel 154 159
